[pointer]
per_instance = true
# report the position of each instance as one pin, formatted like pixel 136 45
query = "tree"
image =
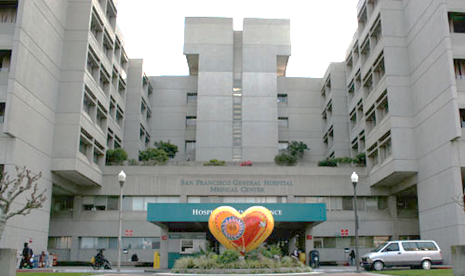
pixel 10 189
pixel 169 148
pixel 153 156
pixel 297 148
pixel 116 156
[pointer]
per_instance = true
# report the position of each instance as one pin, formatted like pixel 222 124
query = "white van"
pixel 413 253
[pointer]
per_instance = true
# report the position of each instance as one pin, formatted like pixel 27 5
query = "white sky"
pixel 321 30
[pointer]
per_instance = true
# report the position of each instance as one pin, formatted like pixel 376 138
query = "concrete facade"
pixel 70 93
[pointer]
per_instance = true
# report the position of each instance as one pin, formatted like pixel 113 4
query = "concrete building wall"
pixel 31 93
pixel 212 40
pixel 433 61
pixel 263 42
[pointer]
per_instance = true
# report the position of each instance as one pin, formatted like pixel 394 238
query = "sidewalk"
pixel 131 270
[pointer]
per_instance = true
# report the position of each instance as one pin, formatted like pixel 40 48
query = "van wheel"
pixel 378 266
pixel 426 264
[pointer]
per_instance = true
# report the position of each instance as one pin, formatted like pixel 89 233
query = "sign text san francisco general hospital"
pixel 236 185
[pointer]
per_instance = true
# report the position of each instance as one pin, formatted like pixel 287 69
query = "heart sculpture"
pixel 243 232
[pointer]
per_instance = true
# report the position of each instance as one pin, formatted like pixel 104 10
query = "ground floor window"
pixel 59 242
pixel 112 243
pixel 345 242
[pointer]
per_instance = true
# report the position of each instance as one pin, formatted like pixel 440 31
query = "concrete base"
pixel 458 259
pixel 8 261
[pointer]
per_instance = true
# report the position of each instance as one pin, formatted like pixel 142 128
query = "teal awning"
pixel 200 212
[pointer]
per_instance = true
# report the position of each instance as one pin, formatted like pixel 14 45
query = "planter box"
pixel 8 261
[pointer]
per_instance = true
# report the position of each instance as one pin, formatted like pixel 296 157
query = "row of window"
pixel 192 98
pixel 8 11
pixel 348 242
pixel 140 203
pixel 2 112
pixel 91 148
pixel 105 243
pixel 380 150
pixel 345 203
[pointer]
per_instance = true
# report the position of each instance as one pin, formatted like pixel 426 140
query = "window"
pixel 101 116
pixel 368 83
pixel 119 116
pixel 107 45
pixel 85 142
pixel 382 106
pixel 8 11
pixel 457 22
pixel 190 147
pixel 353 118
pixel 392 247
pixel 93 64
pixel 378 69
pixel 385 145
pixel 2 113
pixel 282 145
pixel 5 57
pixel 373 154
pixel 351 89
pixel 459 67
pixel 282 98
pixel 141 243
pixel 365 50
pixel 191 97
pixel 462 117
pixel 283 122
pixel 95 243
pixel 370 119
pixel 59 243
pixel 96 26
pixel 140 203
pixel 191 120
pixel 104 82
pixel 375 31
pixel 60 204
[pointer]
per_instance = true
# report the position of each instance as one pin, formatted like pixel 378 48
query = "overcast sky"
pixel 321 30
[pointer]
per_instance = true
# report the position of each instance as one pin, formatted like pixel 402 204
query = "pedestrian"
pixel 27 255
pixel 352 257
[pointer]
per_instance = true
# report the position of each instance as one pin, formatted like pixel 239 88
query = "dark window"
pixel 392 247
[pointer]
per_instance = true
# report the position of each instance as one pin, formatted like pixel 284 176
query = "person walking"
pixel 352 257
pixel 27 255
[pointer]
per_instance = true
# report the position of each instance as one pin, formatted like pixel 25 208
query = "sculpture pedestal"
pixel 8 261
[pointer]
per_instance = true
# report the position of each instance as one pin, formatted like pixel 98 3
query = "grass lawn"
pixel 51 273
pixel 418 272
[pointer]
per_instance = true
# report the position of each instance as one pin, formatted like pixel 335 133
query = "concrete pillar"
pixel 458 259
pixel 164 247
pixel 392 207
pixel 309 244
pixel 8 260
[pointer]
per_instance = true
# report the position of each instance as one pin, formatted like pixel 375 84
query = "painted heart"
pixel 243 232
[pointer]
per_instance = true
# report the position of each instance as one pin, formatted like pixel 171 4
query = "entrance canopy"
pixel 194 216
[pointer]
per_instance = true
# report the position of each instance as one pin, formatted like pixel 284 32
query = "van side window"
pixel 392 247
pixel 426 246
pixel 410 246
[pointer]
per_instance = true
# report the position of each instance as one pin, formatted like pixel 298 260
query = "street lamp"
pixel 121 179
pixel 354 178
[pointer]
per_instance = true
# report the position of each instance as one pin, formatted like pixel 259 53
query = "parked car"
pixel 413 253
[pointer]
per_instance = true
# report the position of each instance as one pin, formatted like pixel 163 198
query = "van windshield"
pixel 377 249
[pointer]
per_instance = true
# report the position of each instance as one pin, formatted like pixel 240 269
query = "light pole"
pixel 121 179
pixel 354 178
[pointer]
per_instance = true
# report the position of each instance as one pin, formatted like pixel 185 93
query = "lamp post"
pixel 354 178
pixel 121 179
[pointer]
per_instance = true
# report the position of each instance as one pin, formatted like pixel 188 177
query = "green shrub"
pixel 215 162
pixel 203 262
pixel 284 158
pixel 276 250
pixel 153 156
pixel 228 256
pixel 297 148
pixel 361 159
pixel 287 262
pixel 169 148
pixel 184 263
pixel 116 156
